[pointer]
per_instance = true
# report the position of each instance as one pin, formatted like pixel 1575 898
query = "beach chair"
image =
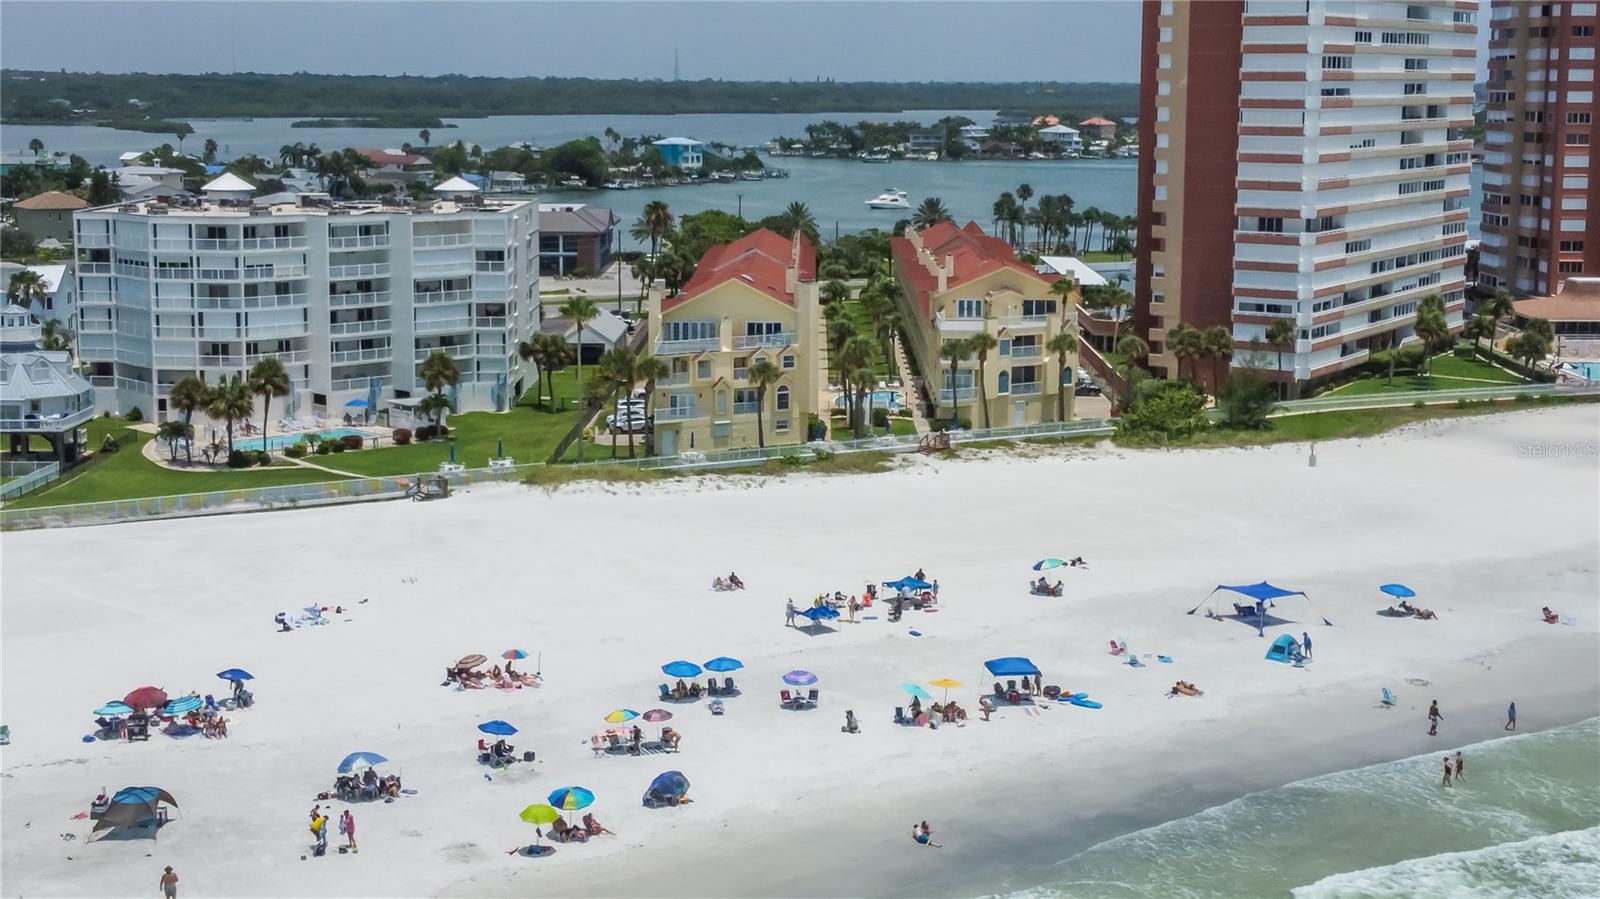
pixel 1388 699
pixel 784 699
pixel 900 715
pixel 999 690
pixel 1011 687
pixel 811 700
pixel 711 687
pixel 666 694
pixel 728 689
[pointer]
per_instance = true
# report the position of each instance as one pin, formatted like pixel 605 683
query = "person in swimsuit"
pixel 1447 770
pixel 169 884
pixel 1461 767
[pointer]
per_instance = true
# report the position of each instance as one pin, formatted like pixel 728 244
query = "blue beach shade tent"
pixel 1261 592
pixel 1285 649
pixel 908 583
pixel 370 759
pixel 1011 666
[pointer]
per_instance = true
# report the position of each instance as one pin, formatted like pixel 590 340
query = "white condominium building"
pixel 350 296
pixel 1306 161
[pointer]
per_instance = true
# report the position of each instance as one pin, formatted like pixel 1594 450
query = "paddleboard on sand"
pixel 1084 703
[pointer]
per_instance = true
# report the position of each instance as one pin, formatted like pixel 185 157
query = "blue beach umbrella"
pixel 820 613
pixel 798 678
pixel 680 668
pixel 370 759
pixel 497 727
pixel 236 674
pixel 723 663
pixel 357 403
pixel 114 707
pixel 670 783
pixel 183 705
pixel 1400 591
pixel 916 691
pixel 1047 564
pixel 570 799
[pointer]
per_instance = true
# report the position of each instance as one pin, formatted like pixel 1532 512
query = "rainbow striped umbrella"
pixel 617 716
pixel 570 799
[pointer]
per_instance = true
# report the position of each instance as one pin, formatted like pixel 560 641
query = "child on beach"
pixel 347 826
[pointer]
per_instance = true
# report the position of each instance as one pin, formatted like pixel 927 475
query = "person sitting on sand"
pixel 1426 614
pixel 916 706
pixel 1550 617
pixel 501 749
pixel 1408 608
pixel 391 786
pixel 594 827
pixel 734 582
pixel 719 583
pixel 670 738
pixel 924 835
pixel 680 690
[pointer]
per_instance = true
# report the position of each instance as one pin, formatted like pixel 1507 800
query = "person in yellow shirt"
pixel 319 829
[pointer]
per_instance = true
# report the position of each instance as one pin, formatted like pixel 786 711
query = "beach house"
pixel 956 282
pixel 48 215
pixel 1064 138
pixel 749 300
pixel 683 152
pixel 40 393
pixel 575 237
pixel 1099 127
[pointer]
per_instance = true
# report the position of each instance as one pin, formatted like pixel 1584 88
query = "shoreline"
pixel 601 585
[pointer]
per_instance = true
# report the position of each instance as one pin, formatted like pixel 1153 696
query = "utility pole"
pixel 741 205
pixel 674 64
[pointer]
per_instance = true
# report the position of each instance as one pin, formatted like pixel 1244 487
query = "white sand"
pixel 609 584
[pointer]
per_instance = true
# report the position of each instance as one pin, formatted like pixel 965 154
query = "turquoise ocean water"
pixel 1525 824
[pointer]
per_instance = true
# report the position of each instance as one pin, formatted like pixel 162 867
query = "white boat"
pixel 751 175
pixel 879 156
pixel 891 198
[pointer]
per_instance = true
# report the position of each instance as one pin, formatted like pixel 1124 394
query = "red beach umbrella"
pixel 146 698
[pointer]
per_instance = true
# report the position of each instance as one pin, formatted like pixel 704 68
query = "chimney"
pixel 944 272
pixel 791 275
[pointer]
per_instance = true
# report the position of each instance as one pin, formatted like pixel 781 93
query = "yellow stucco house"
pixel 956 282
pixel 754 298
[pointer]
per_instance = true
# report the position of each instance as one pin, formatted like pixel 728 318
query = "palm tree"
pixel 955 350
pixel 1218 344
pixel 268 379
pixel 763 374
pixel 549 354
pixel 210 150
pixel 931 212
pixel 621 364
pixel 856 360
pixel 1132 350
pixel 1184 342
pixel 26 288
pixel 651 369
pixel 1477 328
pixel 231 401
pixel 55 337
pixel 580 311
pixel 425 134
pixel 170 431
pixel 861 378
pixel 1280 334
pixel 36 146
pixel 1024 194
pixel 835 291
pixel 981 343
pixel 653 224
pixel 1062 345
pixel 188 396
pixel 1497 307
pixel 1434 333
pixel 1003 207
pixel 1529 346
pixel 438 371
pixel 796 218
pixel 291 154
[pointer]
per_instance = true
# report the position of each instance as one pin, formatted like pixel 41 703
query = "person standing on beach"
pixel 1434 717
pixel 1447 770
pixel 347 826
pixel 1305 638
pixel 1511 717
pixel 169 884
pixel 788 614
pixel 319 830
pixel 853 607
pixel 1461 768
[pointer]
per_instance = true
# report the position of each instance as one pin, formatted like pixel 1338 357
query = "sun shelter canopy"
pixel 1262 591
pixel 1011 666
pixel 908 583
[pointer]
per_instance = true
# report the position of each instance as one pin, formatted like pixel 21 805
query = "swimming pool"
pixel 279 441
pixel 879 399
pixel 1589 371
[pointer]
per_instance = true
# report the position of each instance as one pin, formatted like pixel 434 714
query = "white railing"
pixel 750 408
pixel 490 321
pixel 372 354
pixel 221 362
pixel 290 356
pixel 275 301
pixel 218 332
pixel 96 326
pixel 275 329
pixel 961 395
pixel 741 374
pixel 368 298
pixel 206 243
pixel 1026 352
pixel 459 351
pixel 442 296
pixel 95 268
pixel 681 347
pixel 164 332
pixel 364 270
pixel 430 241
pixel 361 383
pixel 88 297
pixel 273 272
pixel 25 477
pixel 94 240
pixel 162 274
pixel 678 379
pixel 958 325
pixel 293 242
pixel 374 326
pixel 442 325
pixel 674 413
pixel 1032 388
pixel 131 384
pixel 52 422
pixel 1016 322
pixel 756 341
pixel 358 242
pixel 461 267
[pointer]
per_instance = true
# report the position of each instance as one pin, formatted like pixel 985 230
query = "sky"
pixel 978 40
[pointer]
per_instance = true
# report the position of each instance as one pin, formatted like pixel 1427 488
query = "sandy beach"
pixel 1487 518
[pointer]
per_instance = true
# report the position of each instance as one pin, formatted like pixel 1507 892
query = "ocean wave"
pixel 1553 866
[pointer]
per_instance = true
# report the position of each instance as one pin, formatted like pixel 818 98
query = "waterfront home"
pixel 159 174
pixel 396 166
pixel 57 283
pixel 973 136
pixel 600 333
pixel 1064 138
pixel 1099 127
pixel 40 394
pixel 922 141
pixel 956 282
pixel 752 299
pixel 681 152
pixel 48 214
pixel 575 237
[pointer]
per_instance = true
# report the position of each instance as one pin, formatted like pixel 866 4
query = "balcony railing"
pixel 164 274
pixel 681 347
pixel 89 297
pixel 165 333
pixel 96 326
pixel 958 325
pixel 676 379
pixel 458 351
pixel 490 321
pixel 959 395
pixel 741 374
pixel 292 242
pixel 94 240
pixel 1018 322
pixel 749 408
pixel 373 326
pixel 374 354
pixel 443 296
pixel 756 341
pixel 275 301
pixel 442 326
pixel 675 413
pixel 1029 389
pixel 360 383
pixel 429 241
pixel 1027 352
pixel 358 242
pixel 273 272
pixel 288 356
pixel 365 270
pixel 208 243
pixel 449 267
pixel 47 421
pixel 368 298
pixel 95 268
pixel 221 361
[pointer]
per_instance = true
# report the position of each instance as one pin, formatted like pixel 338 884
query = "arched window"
pixel 1005 382
pixel 783 399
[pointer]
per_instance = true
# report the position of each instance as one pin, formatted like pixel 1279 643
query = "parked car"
pixel 1086 388
pixel 627 423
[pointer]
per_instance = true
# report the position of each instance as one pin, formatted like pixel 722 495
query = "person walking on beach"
pixel 1461 768
pixel 1447 770
pixel 853 607
pixel 1511 717
pixel 1434 717
pixel 789 612
pixel 169 884
pixel 1305 638
pixel 347 826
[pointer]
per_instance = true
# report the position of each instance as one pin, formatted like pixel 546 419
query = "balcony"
pixel 458 351
pixel 96 326
pixel 204 243
pixel 959 395
pixel 741 374
pixel 676 379
pixel 94 240
pixel 431 241
pixel 348 357
pixel 358 242
pixel 1027 352
pixel 365 270
pixel 675 413
pixel 494 322
pixel 958 325
pixel 273 243
pixel 358 383
pixel 442 326
pixel 290 356
pixel 684 347
pixel 369 298
pixel 372 326
pixel 221 361
pixel 756 341
pixel 436 269
pixel 92 297
pixel 166 333
pixel 165 274
pixel 95 268
pixel 51 423
pixel 275 301
pixel 442 296
pixel 273 272
pixel 1022 322
pixel 750 408
pixel 1032 388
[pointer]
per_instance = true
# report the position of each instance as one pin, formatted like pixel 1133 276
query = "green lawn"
pixel 1448 373
pixel 880 362
pixel 1102 256
pixel 127 474
pixel 530 434
pixel 839 428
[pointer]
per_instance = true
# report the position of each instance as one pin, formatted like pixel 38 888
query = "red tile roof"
pixel 759 259
pixel 384 157
pixel 975 253
pixel 1097 121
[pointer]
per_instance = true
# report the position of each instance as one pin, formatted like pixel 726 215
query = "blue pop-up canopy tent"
pixel 908 583
pixel 1260 592
pixel 1011 666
